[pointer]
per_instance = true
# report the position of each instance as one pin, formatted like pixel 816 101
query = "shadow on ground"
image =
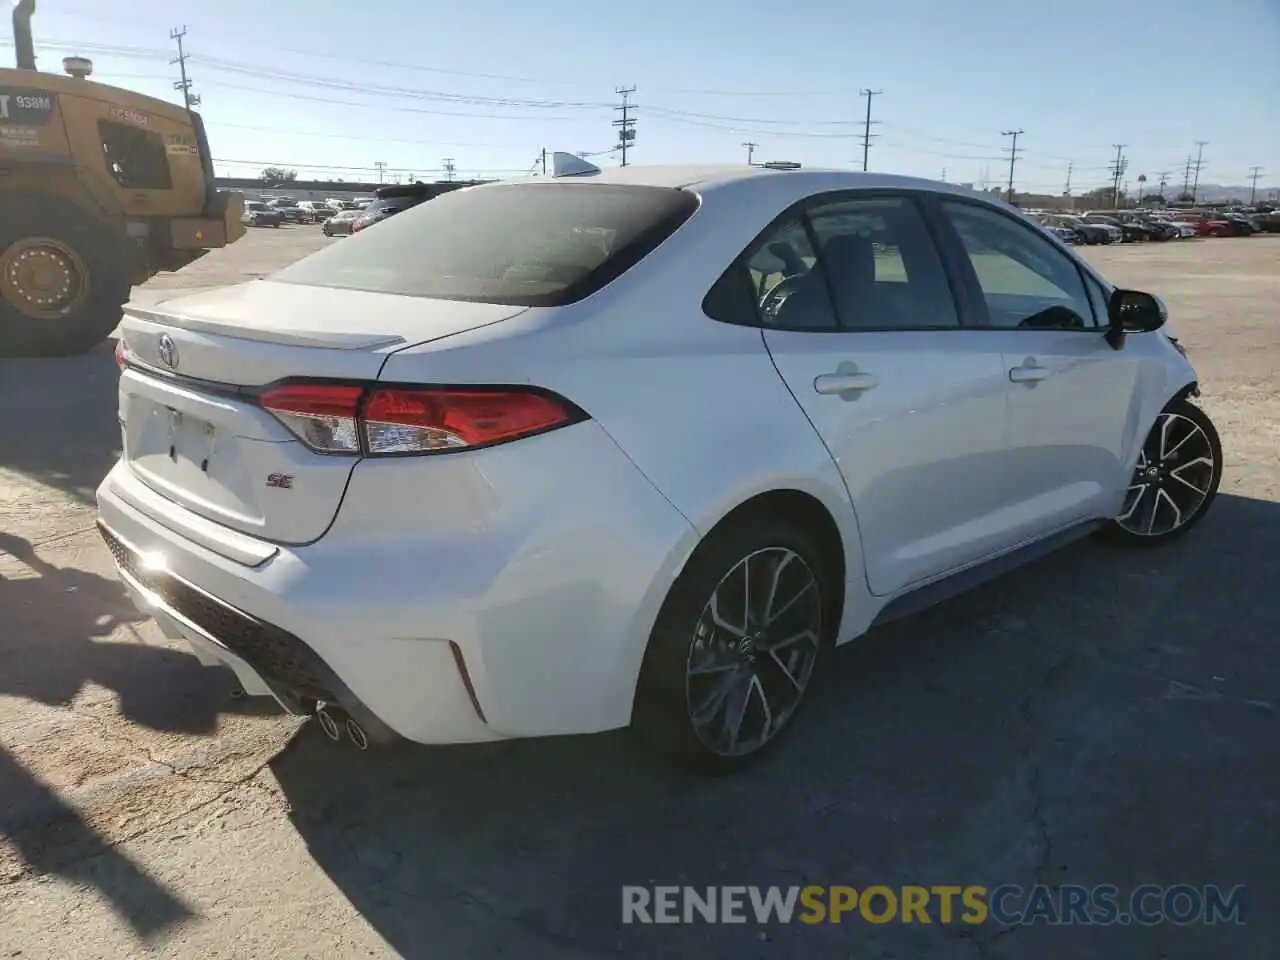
pixel 54 622
pixel 59 425
pixel 1102 716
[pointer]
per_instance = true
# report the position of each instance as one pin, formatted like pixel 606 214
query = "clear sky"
pixel 332 88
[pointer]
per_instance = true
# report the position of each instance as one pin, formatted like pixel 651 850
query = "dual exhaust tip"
pixel 334 722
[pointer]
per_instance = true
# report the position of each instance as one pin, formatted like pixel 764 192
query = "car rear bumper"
pixel 515 601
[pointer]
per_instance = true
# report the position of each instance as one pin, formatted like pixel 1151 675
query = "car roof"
pixel 799 183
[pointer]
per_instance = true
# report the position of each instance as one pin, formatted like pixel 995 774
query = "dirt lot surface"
pixel 1098 717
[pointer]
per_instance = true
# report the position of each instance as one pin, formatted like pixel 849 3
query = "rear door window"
pixel 532 244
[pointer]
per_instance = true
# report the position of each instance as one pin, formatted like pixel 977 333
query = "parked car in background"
pixel 288 208
pixel 1269 221
pixel 1180 229
pixel 258 214
pixel 1126 232
pixel 1151 229
pixel 1248 225
pixel 1087 232
pixel 1215 225
pixel 315 211
pixel 1065 234
pixel 380 210
pixel 341 224
pixel 574 455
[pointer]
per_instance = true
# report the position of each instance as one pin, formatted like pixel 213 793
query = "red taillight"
pixel 323 416
pixel 398 420
pixel 392 421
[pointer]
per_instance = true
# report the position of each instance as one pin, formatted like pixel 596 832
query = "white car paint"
pixel 545 560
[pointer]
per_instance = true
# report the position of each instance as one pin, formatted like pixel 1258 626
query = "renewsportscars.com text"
pixel 1008 904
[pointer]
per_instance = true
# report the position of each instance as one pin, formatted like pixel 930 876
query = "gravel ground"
pixel 1097 717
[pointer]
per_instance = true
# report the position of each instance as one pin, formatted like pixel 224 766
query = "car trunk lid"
pixel 192 428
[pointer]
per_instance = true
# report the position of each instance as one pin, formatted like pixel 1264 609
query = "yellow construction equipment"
pixel 100 189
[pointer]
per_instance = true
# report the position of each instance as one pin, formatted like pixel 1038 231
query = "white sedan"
pixel 632 448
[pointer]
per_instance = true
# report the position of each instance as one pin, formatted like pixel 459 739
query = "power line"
pixel 365 106
pixel 401 65
pixel 627 125
pixel 184 84
pixel 866 129
pixel 1013 155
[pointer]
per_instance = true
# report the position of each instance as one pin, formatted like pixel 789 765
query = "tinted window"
pixel 532 244
pixel 883 268
pixel 790 291
pixel 1026 281
pixel 135 158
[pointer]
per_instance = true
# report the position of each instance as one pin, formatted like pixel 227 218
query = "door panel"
pixel 1067 425
pixel 1070 393
pixel 920 440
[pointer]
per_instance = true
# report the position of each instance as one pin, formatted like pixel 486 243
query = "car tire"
pixel 704 668
pixel 1175 481
pixel 95 261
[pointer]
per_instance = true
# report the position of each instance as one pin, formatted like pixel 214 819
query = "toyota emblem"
pixel 168 351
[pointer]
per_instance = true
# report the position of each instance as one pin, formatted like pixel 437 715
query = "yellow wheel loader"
pixel 100 189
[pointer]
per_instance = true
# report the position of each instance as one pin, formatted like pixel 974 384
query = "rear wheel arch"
pixel 804 510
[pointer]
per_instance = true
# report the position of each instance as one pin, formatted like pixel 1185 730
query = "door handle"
pixel 1029 372
pixel 841 383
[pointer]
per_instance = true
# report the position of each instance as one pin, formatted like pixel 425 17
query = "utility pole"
pixel 1117 171
pixel 1186 179
pixel 944 174
pixel 1164 179
pixel 448 168
pixel 382 168
pixel 191 99
pixel 751 152
pixel 1195 184
pixel 1066 191
pixel 1013 156
pixel 866 129
pixel 627 125
pixel 1254 174
pixel 542 160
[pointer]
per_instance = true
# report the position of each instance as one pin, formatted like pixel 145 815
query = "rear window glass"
pixel 539 244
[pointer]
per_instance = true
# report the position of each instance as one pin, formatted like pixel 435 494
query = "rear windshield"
pixel 531 244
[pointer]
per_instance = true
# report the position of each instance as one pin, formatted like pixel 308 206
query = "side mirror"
pixel 1132 311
